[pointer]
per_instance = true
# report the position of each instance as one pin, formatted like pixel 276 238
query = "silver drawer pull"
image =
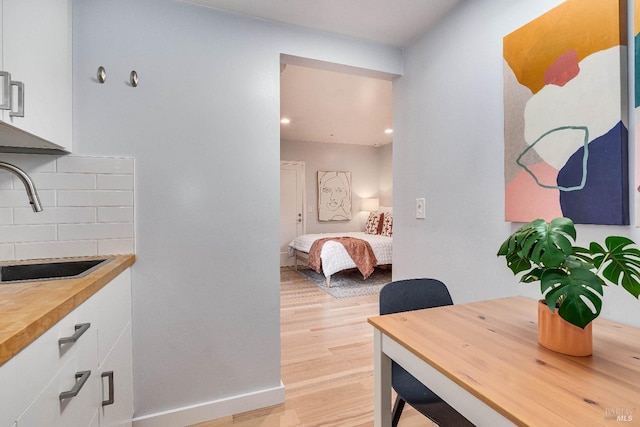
pixel 20 111
pixel 80 329
pixel 110 400
pixel 5 104
pixel 81 378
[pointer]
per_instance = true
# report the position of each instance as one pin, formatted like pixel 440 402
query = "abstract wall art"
pixel 565 97
pixel 334 196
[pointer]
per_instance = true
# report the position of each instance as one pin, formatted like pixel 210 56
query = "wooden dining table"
pixel 483 359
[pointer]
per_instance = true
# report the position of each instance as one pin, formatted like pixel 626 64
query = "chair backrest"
pixel 413 294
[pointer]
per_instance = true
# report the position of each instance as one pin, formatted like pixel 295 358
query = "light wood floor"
pixel 327 363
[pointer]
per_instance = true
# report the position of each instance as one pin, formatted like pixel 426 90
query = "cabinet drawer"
pixel 30 371
pixel 49 410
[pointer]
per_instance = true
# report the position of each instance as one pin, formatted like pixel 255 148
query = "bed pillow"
pixel 387 225
pixel 380 222
pixel 373 224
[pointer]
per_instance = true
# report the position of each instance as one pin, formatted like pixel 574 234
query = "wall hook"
pixel 102 74
pixel 133 78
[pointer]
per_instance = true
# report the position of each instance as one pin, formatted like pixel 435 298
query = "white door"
pixel 291 206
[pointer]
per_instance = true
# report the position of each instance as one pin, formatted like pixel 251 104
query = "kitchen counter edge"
pixel 27 310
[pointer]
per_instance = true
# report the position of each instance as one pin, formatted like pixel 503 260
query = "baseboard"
pixel 212 410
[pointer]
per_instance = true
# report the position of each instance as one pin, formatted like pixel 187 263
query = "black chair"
pixel 407 295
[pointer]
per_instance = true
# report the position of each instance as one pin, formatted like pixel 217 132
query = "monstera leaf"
pixel 622 263
pixel 572 289
pixel 546 245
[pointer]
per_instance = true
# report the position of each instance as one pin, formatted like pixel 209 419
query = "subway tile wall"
pixel 87 201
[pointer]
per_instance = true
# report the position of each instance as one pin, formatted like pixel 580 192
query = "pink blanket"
pixel 359 250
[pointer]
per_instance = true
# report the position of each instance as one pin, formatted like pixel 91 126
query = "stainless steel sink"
pixel 49 271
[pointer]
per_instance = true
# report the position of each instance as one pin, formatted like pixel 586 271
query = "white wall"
pixel 370 169
pixel 448 148
pixel 203 126
pixel 87 207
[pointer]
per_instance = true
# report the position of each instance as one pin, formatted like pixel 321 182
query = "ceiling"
pixel 390 22
pixel 328 106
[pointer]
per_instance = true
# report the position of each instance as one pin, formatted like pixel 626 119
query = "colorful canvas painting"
pixel 566 151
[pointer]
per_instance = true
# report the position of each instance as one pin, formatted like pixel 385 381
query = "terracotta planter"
pixel 558 335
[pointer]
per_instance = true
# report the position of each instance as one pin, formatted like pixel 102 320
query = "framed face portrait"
pixel 334 196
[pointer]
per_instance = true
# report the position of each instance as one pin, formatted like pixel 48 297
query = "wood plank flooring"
pixel 327 363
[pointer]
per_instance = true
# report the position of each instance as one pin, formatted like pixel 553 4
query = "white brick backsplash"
pixel 59 249
pixel 6 180
pixel 115 246
pixel 27 233
pixel 95 165
pixel 6 252
pixel 94 231
pixel 18 198
pixel 31 163
pixel 115 182
pixel 95 198
pixel 60 181
pixel 53 215
pixel 47 197
pixel 88 207
pixel 117 214
pixel 6 216
pixel 10 198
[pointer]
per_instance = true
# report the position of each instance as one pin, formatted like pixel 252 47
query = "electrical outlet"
pixel 420 208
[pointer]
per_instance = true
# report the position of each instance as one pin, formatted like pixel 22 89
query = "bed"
pixel 334 257
pixel 333 254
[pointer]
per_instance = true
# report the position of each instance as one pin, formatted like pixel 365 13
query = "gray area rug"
pixel 348 283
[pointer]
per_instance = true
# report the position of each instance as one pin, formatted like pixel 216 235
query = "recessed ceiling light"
pixel 285 121
pixel 388 131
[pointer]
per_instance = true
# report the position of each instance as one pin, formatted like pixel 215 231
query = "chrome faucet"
pixel 28 185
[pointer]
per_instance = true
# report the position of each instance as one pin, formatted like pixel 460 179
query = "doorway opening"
pixel 333 118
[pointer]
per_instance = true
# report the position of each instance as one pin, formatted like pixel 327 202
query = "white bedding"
pixel 335 257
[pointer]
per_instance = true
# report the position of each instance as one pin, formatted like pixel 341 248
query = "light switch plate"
pixel 420 208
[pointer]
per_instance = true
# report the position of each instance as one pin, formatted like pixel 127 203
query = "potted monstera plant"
pixel 572 278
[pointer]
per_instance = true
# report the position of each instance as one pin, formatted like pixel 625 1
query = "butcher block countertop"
pixel 28 309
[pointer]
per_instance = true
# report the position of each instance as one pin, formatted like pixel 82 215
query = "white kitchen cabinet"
pixel 43 370
pixel 37 51
pixel 48 410
pixel 119 364
pixel 115 354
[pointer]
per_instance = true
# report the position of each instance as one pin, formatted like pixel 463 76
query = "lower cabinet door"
pixel 117 383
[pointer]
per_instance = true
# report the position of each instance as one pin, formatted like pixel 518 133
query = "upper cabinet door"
pixel 37 52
